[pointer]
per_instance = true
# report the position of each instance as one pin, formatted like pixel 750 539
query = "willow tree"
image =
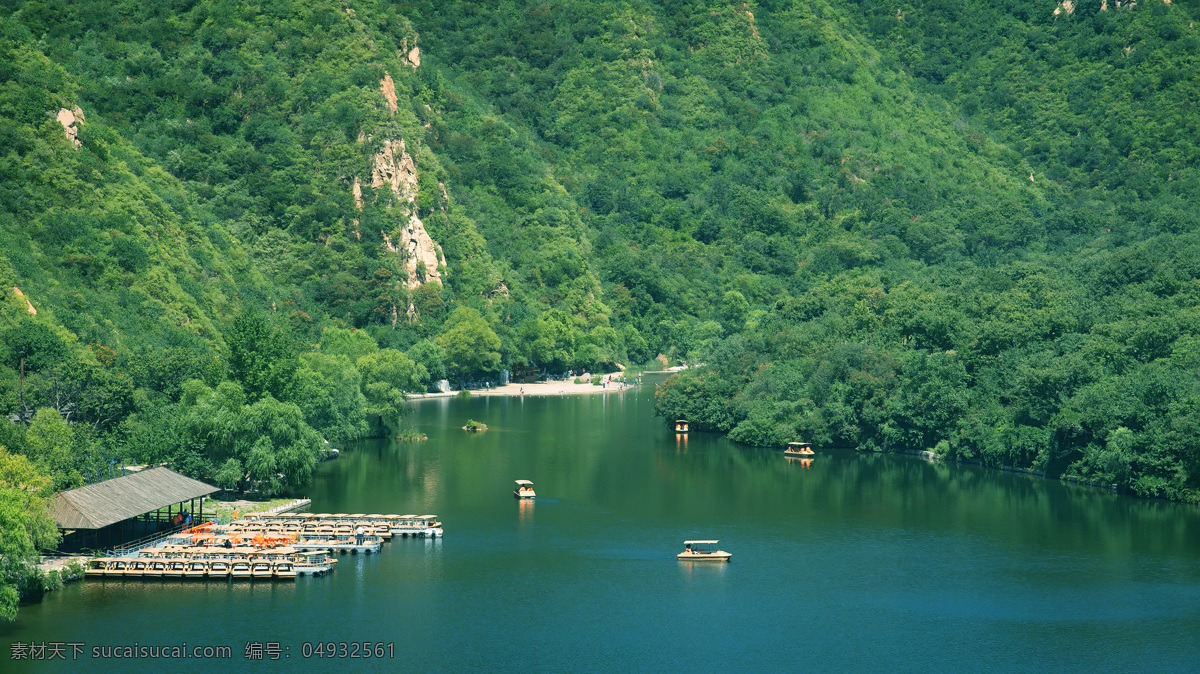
pixel 25 527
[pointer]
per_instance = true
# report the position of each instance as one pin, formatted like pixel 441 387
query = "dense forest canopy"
pixel 234 231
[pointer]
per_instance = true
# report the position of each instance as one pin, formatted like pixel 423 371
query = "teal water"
pixel 861 562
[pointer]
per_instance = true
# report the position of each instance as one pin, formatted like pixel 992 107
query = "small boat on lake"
pixel 313 563
pixel 702 551
pixel 283 570
pixel 681 426
pixel 799 449
pixel 175 569
pixel 524 489
pixel 196 570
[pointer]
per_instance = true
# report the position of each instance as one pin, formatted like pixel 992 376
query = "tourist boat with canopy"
pixel 175 569
pixel 524 489
pixel 313 563
pixel 261 571
pixel 803 449
pixel 420 526
pixel 702 551
pixel 195 570
pixel 283 570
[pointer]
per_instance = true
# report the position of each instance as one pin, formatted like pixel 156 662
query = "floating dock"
pixel 272 545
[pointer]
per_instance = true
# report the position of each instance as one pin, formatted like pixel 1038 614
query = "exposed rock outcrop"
pixel 28 304
pixel 413 56
pixel 389 92
pixel 69 120
pixel 393 168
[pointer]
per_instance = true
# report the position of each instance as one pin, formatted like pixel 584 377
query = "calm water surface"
pixel 858 563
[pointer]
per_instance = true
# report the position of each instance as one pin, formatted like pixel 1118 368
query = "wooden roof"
pixel 104 503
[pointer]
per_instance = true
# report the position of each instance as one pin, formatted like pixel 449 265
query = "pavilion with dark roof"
pixel 124 508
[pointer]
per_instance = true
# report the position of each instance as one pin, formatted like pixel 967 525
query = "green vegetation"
pixel 248 229
pixel 25 528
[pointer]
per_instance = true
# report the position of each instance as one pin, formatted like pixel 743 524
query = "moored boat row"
pixel 385 526
pixel 121 567
pixel 277 546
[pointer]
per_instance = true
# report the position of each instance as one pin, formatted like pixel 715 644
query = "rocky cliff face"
pixel 393 168
pixel 70 119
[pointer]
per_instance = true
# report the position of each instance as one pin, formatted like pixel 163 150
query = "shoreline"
pixel 546 388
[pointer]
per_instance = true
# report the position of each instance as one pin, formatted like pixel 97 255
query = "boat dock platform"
pixel 272 545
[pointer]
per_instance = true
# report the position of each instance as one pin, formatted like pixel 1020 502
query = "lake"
pixel 860 562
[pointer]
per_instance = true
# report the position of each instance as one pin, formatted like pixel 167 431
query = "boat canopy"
pixel 701 542
pixel 524 482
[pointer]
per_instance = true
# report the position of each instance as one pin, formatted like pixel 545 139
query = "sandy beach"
pixel 548 388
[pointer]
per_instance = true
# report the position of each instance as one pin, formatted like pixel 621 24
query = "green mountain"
pixel 883 225
pixel 886 226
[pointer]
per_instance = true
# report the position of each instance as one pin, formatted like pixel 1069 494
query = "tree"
pixel 550 340
pixel 33 341
pixel 353 344
pixel 83 392
pixel 430 356
pixel 276 447
pixel 328 389
pixel 260 358
pixel 265 445
pixel 50 443
pixel 393 368
pixel 25 527
pixel 732 311
pixel 387 374
pixel 471 346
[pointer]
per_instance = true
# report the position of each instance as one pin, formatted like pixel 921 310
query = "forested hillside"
pixel 891 226
pixel 232 231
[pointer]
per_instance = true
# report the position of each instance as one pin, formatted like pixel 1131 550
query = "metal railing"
pixel 133 547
